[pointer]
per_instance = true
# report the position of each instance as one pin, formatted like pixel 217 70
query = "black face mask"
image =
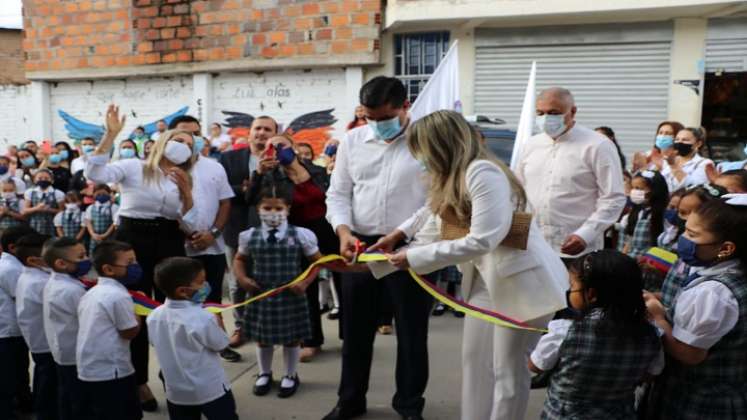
pixel 683 149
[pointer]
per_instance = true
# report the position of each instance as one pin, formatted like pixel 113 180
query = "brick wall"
pixel 63 35
pixel 11 57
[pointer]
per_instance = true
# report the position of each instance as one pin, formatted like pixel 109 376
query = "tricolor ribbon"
pixel 145 305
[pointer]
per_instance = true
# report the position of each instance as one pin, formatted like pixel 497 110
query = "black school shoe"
pixel 288 392
pixel 439 309
pixel 338 413
pixel 230 356
pixel 262 390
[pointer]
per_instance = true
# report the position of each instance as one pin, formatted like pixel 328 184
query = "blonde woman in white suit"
pixel 471 189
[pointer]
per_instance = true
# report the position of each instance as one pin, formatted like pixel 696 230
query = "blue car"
pixel 498 136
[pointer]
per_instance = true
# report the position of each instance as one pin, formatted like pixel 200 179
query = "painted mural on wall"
pixel 78 129
pixel 314 128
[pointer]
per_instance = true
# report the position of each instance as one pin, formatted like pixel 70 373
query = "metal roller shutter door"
pixel 726 55
pixel 621 85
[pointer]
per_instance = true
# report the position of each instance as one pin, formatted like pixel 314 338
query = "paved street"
pixel 319 380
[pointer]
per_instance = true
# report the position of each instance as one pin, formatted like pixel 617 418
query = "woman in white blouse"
pixel 155 214
pixel 689 168
pixel 472 189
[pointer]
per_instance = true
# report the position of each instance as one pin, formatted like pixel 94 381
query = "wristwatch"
pixel 216 232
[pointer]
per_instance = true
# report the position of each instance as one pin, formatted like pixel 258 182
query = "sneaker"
pixel 261 390
pixel 386 330
pixel 439 309
pixel 308 354
pixel 237 339
pixel 286 392
pixel 334 314
pixel 230 356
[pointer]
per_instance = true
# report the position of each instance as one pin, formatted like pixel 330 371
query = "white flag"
pixel 442 89
pixel 526 121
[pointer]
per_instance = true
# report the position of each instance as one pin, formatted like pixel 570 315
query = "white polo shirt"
pixel 187 340
pixel 210 186
pixel 10 270
pixel 101 353
pixel 29 308
pixel 61 297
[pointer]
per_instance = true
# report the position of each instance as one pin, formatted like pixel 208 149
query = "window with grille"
pixel 416 57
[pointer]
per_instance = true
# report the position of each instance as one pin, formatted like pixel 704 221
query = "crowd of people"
pixel 563 241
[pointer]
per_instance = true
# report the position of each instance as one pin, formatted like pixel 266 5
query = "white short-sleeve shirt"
pixel 88 215
pixel 58 218
pixel 29 308
pixel 10 270
pixel 210 186
pixel 306 238
pixel 59 196
pixel 187 340
pixel 101 353
pixel 61 297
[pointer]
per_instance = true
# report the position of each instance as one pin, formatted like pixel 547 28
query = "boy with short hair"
pixel 67 258
pixel 107 324
pixel 29 302
pixel 13 349
pixel 100 216
pixel 188 341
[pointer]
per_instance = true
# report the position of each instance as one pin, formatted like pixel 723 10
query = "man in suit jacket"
pixel 239 166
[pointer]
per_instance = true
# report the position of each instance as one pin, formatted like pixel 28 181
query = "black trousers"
pixel 116 399
pixel 315 316
pixel 361 299
pixel 224 408
pixel 73 401
pixel 13 350
pixel 153 241
pixel 215 270
pixel 45 387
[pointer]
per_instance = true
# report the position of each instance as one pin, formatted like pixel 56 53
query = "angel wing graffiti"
pixel 78 129
pixel 313 128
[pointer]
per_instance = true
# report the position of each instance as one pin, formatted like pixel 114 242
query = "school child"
pixel 100 216
pixel 451 279
pixel 734 181
pixel 274 251
pixel 668 238
pixel 645 222
pixel 42 203
pixel 31 321
pixel 13 350
pixel 68 261
pixel 188 341
pixel 10 206
pixel 602 354
pixel 69 222
pixel 705 329
pixel 107 324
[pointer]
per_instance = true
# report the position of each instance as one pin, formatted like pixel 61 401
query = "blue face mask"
pixel 551 124
pixel 664 142
pixel 686 250
pixel 201 294
pixel 55 159
pixel 82 268
pixel 671 216
pixel 28 162
pixel 286 155
pixel 133 276
pixel 127 153
pixel 331 150
pixel 198 143
pixel 3 169
pixel 88 149
pixel 103 198
pixel 64 154
pixel 387 129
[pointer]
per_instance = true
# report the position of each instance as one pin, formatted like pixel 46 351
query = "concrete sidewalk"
pixel 319 379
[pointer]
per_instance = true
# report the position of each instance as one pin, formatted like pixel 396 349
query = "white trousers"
pixel 496 380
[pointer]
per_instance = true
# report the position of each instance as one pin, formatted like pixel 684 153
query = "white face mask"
pixel 71 206
pixel 177 153
pixel 9 196
pixel 273 218
pixel 552 125
pixel 637 196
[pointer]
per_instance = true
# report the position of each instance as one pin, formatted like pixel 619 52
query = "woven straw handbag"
pixel 517 237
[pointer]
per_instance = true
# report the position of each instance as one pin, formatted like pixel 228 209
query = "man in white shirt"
pixel 161 127
pixel 210 184
pixel 376 186
pixel 572 176
pixel 86 147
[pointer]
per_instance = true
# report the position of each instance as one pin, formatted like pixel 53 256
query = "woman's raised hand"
pixel 114 123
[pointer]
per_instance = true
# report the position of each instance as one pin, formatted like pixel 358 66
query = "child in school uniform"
pixel 645 222
pixel 188 341
pixel 29 309
pixel 668 238
pixel 734 181
pixel 69 222
pixel 107 324
pixel 705 329
pixel 100 216
pixel 43 202
pixel 69 263
pixel 13 350
pixel 602 354
pixel 274 251
pixel 11 206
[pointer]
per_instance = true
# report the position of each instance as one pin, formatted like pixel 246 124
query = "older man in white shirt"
pixel 572 176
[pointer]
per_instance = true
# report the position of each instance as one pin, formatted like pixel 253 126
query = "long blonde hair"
pixel 152 167
pixel 447 144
